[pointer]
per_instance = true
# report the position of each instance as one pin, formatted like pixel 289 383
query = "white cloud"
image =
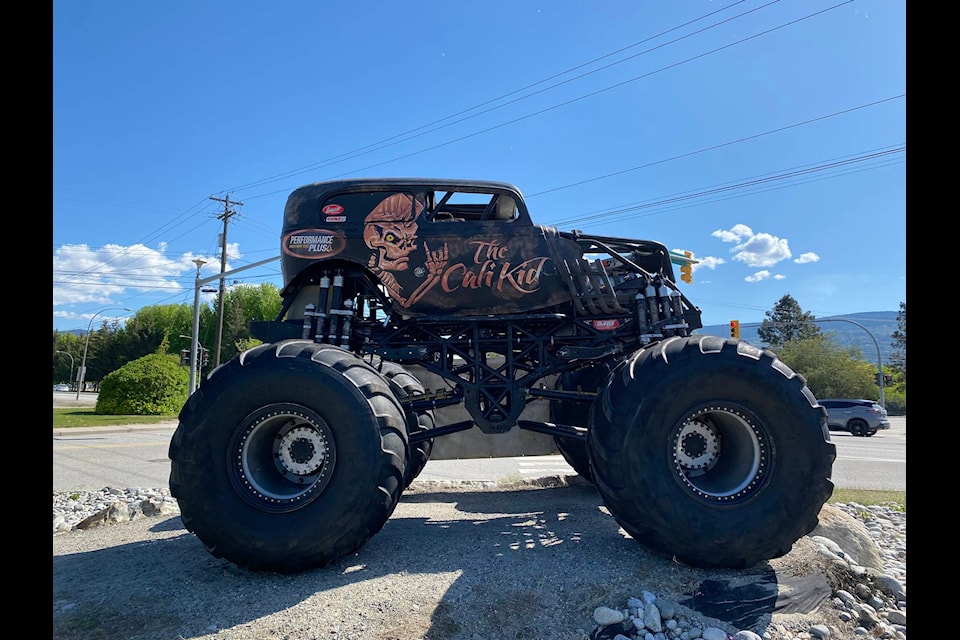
pixel 760 276
pixel 807 257
pixel 754 249
pixel 735 234
pixel 762 250
pixel 102 275
pixel 708 262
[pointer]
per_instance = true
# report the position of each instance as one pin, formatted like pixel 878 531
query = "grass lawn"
pixel 85 417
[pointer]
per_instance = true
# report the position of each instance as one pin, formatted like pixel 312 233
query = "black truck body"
pixel 687 438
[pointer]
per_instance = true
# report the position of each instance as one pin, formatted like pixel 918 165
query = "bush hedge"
pixel 154 385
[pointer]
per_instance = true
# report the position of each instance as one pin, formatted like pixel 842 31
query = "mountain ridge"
pixel 849 330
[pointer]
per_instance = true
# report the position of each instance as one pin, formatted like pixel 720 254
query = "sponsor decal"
pixel 336 218
pixel 491 269
pixel 313 244
pixel 332 209
pixel 606 325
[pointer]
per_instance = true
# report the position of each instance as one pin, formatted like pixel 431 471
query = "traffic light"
pixel 686 270
pixel 185 357
pixel 735 329
pixel 206 357
pixel 887 379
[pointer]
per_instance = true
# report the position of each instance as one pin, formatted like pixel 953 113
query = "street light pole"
pixel 195 339
pixel 71 362
pixel 196 303
pixel 82 374
pixel 875 344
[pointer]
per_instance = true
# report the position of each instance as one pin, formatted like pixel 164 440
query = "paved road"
pixel 92 459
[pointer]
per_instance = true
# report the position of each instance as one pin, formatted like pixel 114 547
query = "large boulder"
pixel 850 534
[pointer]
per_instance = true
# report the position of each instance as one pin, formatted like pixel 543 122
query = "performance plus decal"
pixel 313 243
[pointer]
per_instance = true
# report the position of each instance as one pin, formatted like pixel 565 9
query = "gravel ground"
pixel 454 562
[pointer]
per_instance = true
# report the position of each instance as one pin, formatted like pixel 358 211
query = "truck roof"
pixel 376 184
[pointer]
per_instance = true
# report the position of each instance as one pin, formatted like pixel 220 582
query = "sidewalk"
pixel 168 425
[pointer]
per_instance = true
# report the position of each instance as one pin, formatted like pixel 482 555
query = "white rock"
pixel 605 616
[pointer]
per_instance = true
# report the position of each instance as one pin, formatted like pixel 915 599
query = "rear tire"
pixel 289 457
pixel 577 413
pixel 407 384
pixel 711 451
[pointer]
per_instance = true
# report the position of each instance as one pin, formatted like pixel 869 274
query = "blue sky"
pixel 768 138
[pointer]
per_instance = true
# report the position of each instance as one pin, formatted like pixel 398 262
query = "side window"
pixel 462 206
pixel 506 208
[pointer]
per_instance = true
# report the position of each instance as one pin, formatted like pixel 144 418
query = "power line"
pixel 752 182
pixel 381 144
pixel 546 109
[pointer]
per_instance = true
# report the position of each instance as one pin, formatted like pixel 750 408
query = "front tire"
pixel 289 457
pixel 711 451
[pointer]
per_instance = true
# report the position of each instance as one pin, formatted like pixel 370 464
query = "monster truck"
pixel 295 453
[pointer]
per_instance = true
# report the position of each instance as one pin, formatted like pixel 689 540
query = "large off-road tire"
pixel 577 413
pixel 289 457
pixel 711 451
pixel 406 384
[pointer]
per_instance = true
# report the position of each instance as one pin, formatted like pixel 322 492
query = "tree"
pixel 787 322
pixel 106 351
pixel 831 371
pixel 160 327
pixel 150 326
pixel 67 361
pixel 243 304
pixel 898 359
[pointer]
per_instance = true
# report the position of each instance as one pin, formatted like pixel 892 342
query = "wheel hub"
pixel 720 453
pixel 283 457
pixel 698 445
pixel 301 451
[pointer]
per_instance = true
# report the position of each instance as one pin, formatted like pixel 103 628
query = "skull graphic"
pixel 391 229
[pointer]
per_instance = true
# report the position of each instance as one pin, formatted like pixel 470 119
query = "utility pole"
pixel 225 216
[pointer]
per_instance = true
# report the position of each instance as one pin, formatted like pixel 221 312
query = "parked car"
pixel 61 387
pixel 859 417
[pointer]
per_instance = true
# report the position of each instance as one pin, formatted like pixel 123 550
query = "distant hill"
pixel 880 324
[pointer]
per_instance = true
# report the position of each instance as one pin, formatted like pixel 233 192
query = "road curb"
pixel 119 428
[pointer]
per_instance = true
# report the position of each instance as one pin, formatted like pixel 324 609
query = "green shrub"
pixel 895 401
pixel 153 385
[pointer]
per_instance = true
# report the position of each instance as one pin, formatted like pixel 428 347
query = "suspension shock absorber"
pixel 641 309
pixel 322 308
pixel 676 312
pixel 653 309
pixel 347 313
pixel 335 304
pixel 308 316
pixel 663 299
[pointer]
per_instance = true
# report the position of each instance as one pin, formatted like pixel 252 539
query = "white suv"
pixel 859 417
